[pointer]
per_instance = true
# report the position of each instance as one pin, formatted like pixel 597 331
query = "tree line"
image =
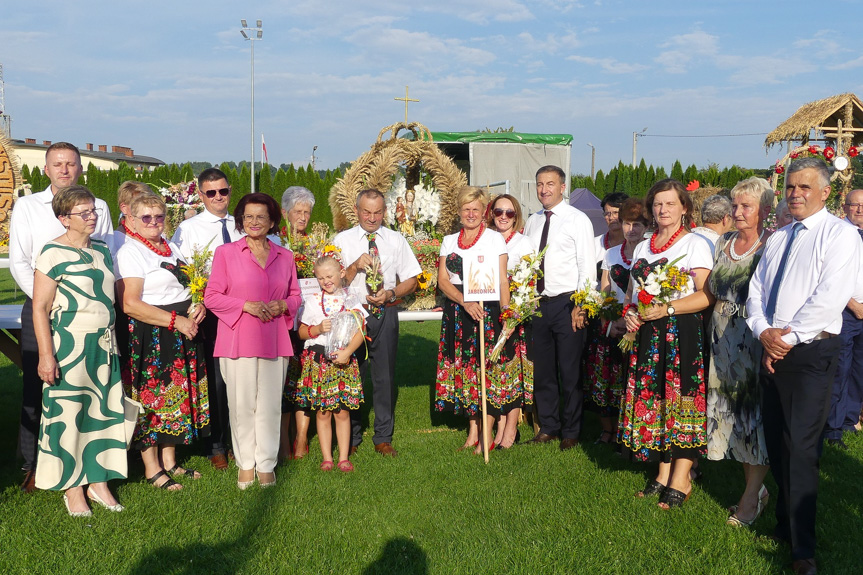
pixel 272 181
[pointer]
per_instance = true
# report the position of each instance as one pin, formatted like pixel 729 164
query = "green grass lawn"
pixel 431 510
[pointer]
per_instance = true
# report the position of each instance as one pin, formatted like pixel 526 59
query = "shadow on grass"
pixel 10 417
pixel 399 555
pixel 225 557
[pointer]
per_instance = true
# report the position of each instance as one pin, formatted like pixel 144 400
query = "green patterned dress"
pixel 81 437
pixel 734 420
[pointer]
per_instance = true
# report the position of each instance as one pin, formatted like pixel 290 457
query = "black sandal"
pixel 672 498
pixel 190 473
pixel 602 434
pixel 653 487
pixel 168 484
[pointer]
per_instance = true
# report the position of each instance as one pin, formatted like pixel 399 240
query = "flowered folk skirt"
pixel 664 411
pixel 516 370
pixel 290 398
pixel 604 370
pixel 164 374
pixel 457 386
pixel 325 386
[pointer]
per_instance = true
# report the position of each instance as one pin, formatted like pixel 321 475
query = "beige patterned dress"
pixel 81 437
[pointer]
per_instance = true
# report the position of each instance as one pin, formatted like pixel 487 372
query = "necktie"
pixel 543 240
pixel 375 310
pixel 226 237
pixel 859 231
pixel 780 272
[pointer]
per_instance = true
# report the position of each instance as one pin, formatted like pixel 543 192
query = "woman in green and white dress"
pixel 82 438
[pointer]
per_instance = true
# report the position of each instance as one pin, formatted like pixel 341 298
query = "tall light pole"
pixel 635 143
pixel 255 33
pixel 313 157
pixel 592 161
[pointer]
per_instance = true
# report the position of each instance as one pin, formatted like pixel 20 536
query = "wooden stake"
pixel 483 423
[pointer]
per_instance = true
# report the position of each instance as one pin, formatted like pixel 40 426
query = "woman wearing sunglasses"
pixel 163 371
pixel 516 391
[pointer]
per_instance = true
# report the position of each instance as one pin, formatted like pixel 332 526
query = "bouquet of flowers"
pixel 198 272
pixel 374 275
pixel 664 284
pixel 523 299
pixel 306 247
pixel 589 299
pixel 179 199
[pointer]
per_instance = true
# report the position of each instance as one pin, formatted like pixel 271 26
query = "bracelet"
pixel 173 319
pixel 627 307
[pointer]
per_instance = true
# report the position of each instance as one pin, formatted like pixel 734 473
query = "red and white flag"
pixel 264 149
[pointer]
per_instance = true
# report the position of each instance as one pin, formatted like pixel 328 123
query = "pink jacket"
pixel 237 277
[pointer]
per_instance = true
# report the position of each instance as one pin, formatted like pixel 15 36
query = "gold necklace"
pixel 92 262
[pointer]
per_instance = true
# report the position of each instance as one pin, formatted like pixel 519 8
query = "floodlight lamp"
pixel 260 34
pixel 259 24
pixel 243 32
pixel 243 23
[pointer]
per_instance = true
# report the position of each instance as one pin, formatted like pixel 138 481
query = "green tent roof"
pixel 512 137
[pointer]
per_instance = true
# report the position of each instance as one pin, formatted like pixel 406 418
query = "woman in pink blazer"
pixel 254 292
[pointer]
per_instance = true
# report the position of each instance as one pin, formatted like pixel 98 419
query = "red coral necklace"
pixel 655 250
pixel 329 311
pixel 475 240
pixel 512 235
pixel 166 253
pixel 625 259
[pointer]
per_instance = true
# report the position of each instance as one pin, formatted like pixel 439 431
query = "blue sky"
pixel 171 80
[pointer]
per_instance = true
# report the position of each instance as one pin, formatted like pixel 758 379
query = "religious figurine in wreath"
pixel 406 214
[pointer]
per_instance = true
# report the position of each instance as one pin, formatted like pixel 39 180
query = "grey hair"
pixel 816 164
pixel 714 209
pixel 297 195
pixel 756 188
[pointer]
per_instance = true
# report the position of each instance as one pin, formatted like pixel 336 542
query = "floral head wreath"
pixel 331 251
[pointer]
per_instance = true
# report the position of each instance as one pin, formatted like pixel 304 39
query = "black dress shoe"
pixel 543 438
pixel 568 443
pixel 804 567
pixel 837 443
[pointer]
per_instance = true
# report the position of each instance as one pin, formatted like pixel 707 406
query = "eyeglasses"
pixel 256 219
pixel 212 193
pixel 854 206
pixel 149 219
pixel 88 214
pixel 610 214
pixel 498 212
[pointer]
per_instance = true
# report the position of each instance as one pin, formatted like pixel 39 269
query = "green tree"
pixel 690 174
pixel 265 182
pixel 677 171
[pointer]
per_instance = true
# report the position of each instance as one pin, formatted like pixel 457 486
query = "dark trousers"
pixel 31 400
pixel 382 348
pixel 796 404
pixel 556 365
pixel 848 384
pixel 220 428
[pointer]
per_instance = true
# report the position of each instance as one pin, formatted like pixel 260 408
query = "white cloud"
pixel 610 65
pixel 685 48
pixel 848 64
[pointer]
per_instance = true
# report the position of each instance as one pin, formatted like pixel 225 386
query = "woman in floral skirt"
pixel 458 369
pixel 604 366
pixel 163 371
pixel 663 415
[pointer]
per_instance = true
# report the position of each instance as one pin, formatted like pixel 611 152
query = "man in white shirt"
pixel 805 278
pixel 848 386
pixel 213 227
pixel 400 268
pixel 558 335
pixel 33 225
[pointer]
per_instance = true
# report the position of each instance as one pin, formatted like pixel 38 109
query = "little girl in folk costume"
pixel 330 386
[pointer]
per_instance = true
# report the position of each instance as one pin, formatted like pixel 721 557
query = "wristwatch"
pixel 670 310
pixel 392 299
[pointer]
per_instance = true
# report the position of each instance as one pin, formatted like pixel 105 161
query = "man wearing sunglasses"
pixel 214 227
pixel 33 225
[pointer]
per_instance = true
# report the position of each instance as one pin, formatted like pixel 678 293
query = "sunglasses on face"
pixel 148 219
pixel 498 212
pixel 212 193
